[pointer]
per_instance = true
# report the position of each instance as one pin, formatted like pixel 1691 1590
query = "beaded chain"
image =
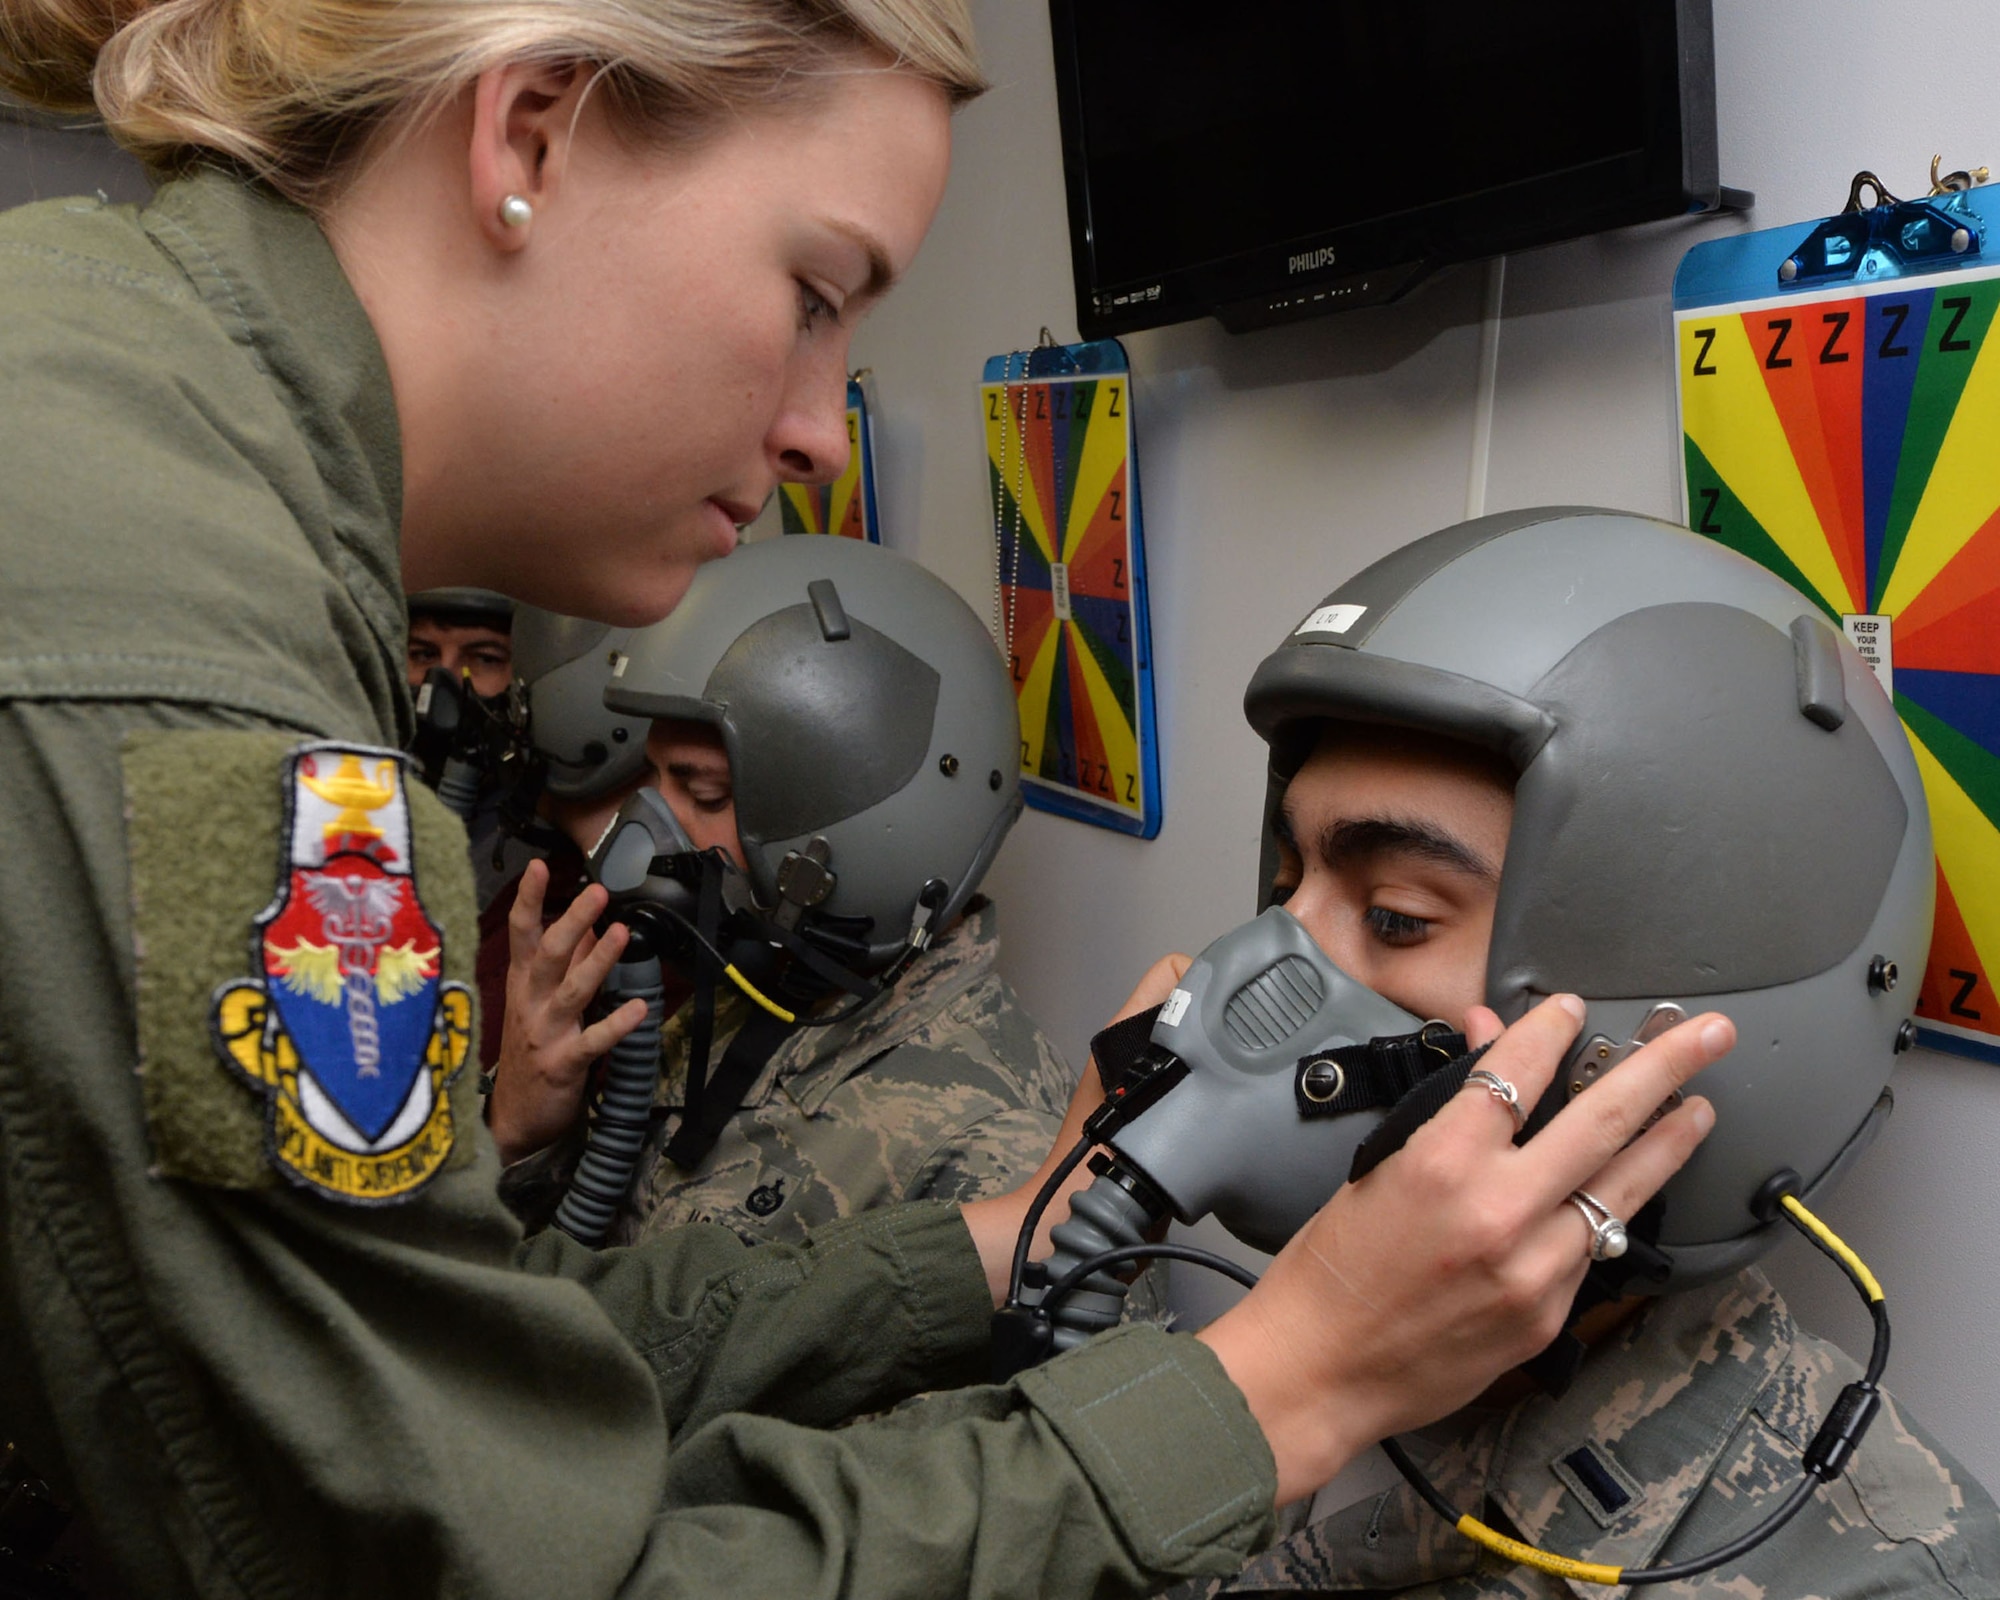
pixel 1010 582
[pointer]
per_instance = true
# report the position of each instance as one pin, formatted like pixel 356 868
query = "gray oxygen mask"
pixel 1229 1139
pixel 1247 1102
pixel 637 856
pixel 655 877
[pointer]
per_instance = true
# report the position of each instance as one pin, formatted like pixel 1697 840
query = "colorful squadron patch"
pixel 352 1034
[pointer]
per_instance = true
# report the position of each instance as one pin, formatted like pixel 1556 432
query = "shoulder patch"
pixel 342 1017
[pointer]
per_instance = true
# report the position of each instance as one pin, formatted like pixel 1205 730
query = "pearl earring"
pixel 516 212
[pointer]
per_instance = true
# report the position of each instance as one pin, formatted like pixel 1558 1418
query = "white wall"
pixel 1275 464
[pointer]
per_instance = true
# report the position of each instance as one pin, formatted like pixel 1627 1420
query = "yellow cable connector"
pixel 1528 1556
pixel 758 994
pixel 1826 1236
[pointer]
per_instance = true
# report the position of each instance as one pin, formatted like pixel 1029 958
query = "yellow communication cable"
pixel 1528 1556
pixel 735 975
pixel 756 994
pixel 1835 1246
pixel 1824 1460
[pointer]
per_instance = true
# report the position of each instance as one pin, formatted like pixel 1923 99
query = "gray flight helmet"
pixel 861 702
pixel 464 607
pixel 1715 808
pixel 562 665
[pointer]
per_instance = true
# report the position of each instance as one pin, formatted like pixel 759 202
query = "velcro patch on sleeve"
pixel 305 940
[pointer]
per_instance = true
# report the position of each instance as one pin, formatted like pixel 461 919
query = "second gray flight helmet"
pixel 861 702
pixel 563 665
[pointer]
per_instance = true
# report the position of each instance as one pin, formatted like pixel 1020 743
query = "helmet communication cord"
pixel 690 914
pixel 1021 1327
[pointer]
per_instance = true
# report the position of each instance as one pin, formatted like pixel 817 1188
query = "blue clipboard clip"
pixel 1886 240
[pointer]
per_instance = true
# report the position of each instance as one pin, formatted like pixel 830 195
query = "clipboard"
pixel 1839 401
pixel 1070 609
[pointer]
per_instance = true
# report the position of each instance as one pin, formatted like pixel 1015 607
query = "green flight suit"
pixel 253 1389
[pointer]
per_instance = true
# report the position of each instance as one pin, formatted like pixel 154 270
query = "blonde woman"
pixel 542 296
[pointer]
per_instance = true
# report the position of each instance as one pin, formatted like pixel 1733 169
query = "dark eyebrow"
pixel 881 276
pixel 1361 837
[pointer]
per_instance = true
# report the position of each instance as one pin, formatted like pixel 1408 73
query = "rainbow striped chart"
pixel 845 506
pixel 1847 435
pixel 1071 589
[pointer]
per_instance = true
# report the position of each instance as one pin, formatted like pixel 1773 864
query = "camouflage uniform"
pixel 1678 1435
pixel 944 1090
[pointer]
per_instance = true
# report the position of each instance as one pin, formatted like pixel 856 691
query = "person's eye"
pixel 1396 929
pixel 814 307
pixel 711 801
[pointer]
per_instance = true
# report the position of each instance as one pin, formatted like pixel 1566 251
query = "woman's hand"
pixel 996 1223
pixel 553 974
pixel 1457 1258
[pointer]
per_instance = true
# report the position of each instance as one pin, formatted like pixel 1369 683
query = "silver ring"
pixel 1608 1239
pixel 1501 1090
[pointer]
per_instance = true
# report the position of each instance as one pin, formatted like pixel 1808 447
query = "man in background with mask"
pixel 467 632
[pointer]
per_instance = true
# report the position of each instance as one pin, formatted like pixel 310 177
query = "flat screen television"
pixel 1274 159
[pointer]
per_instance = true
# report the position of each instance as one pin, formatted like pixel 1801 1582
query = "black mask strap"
pixel 1117 1048
pixel 707 1115
pixel 1373 1076
pixel 1410 1113
pixel 821 966
pixel 707 974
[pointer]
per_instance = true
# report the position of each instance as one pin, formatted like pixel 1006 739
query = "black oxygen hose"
pixel 624 1111
pixel 459 787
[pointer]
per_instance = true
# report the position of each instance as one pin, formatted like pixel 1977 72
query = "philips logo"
pixel 1312 260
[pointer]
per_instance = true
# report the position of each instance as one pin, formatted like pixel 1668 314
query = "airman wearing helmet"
pixel 464 631
pixel 1587 751
pixel 812 695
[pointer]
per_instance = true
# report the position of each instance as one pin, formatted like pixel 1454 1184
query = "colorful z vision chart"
pixel 1070 581
pixel 1840 412
pixel 847 505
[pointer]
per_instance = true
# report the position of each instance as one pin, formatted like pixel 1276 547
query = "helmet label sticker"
pixel 1175 1008
pixel 1331 619
pixel 1870 637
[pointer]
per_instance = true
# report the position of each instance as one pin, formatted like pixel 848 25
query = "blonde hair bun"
pixel 49 49
pixel 294 89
